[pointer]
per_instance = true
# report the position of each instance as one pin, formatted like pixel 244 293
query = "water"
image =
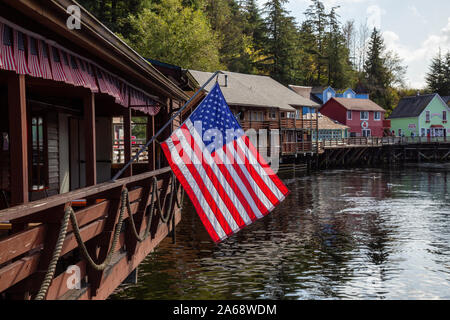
pixel 343 234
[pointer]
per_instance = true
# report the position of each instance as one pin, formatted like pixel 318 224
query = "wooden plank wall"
pixel 53 152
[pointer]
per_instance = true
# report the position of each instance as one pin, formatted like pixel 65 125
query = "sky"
pixel 415 29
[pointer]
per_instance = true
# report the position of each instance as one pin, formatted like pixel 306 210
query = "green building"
pixel 422 115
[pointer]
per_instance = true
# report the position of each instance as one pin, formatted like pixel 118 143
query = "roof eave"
pixel 113 50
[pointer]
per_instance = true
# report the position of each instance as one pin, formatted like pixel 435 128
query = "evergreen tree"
pixel 383 71
pixel 317 19
pixel 438 77
pixel 281 42
pixel 375 64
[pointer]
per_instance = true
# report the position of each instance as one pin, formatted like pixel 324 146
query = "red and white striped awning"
pixel 28 53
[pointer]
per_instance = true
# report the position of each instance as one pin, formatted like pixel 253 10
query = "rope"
pixel 52 266
pixel 169 212
pixel 69 214
pixel 152 207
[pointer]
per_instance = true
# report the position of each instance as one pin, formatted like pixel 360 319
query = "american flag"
pixel 33 58
pixel 19 53
pixel 229 183
pixel 7 52
pixel 43 58
pixel 57 67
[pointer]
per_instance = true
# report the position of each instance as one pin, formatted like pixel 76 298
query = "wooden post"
pixel 90 144
pixel 151 148
pixel 127 141
pixel 18 139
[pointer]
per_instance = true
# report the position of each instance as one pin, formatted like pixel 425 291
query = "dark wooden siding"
pixel 53 152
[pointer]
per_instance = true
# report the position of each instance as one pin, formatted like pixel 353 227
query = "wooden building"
pixel 421 115
pixel 61 89
pixel 261 103
pixel 364 117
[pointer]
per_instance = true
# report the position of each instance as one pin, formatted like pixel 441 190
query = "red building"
pixel 364 117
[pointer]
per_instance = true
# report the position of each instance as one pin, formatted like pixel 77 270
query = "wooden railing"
pixel 298 147
pixel 376 142
pixel 26 251
pixel 275 124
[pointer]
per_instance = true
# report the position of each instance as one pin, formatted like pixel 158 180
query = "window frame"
pixel 42 152
pixel 427 116
pixel 375 116
pixel 349 113
pixel 361 115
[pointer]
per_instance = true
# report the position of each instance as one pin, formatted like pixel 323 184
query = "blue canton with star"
pixel 218 124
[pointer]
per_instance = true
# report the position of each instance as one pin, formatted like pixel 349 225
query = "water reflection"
pixel 344 234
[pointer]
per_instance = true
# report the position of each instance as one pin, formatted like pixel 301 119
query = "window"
pixel 428 116
pixel 444 116
pixel 400 132
pixel 364 115
pixel 423 132
pixel 273 115
pixel 377 116
pixel 39 168
pixel 291 115
pixel 367 133
pixel 257 116
pixel 298 114
pixel 349 115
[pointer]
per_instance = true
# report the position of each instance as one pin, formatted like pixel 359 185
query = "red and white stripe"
pixel 33 58
pixel 65 62
pixel 7 51
pixel 231 188
pixel 125 95
pixel 44 60
pixel 76 74
pixel 19 53
pixel 91 74
pixel 83 71
pixel 101 81
pixel 56 63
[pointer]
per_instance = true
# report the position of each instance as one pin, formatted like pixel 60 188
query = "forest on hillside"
pixel 240 36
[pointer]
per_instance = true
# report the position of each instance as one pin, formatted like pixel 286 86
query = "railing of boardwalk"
pixel 377 142
pixel 95 229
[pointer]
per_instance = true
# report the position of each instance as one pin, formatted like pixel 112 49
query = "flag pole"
pixel 119 174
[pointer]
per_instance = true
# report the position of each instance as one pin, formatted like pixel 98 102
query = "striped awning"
pixel 29 53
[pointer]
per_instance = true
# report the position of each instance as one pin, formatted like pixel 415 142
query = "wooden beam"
pixel 90 144
pixel 18 139
pixel 127 141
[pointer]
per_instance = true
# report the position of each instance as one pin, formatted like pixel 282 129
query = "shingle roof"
pixel 315 90
pixel 412 106
pixel 446 99
pixel 305 92
pixel 359 104
pixel 252 90
pixel 326 123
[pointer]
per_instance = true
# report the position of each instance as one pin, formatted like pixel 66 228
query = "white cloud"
pixel 374 14
pixel 418 58
pixel 416 13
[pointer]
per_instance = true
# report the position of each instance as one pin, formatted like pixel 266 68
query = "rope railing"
pixel 70 216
